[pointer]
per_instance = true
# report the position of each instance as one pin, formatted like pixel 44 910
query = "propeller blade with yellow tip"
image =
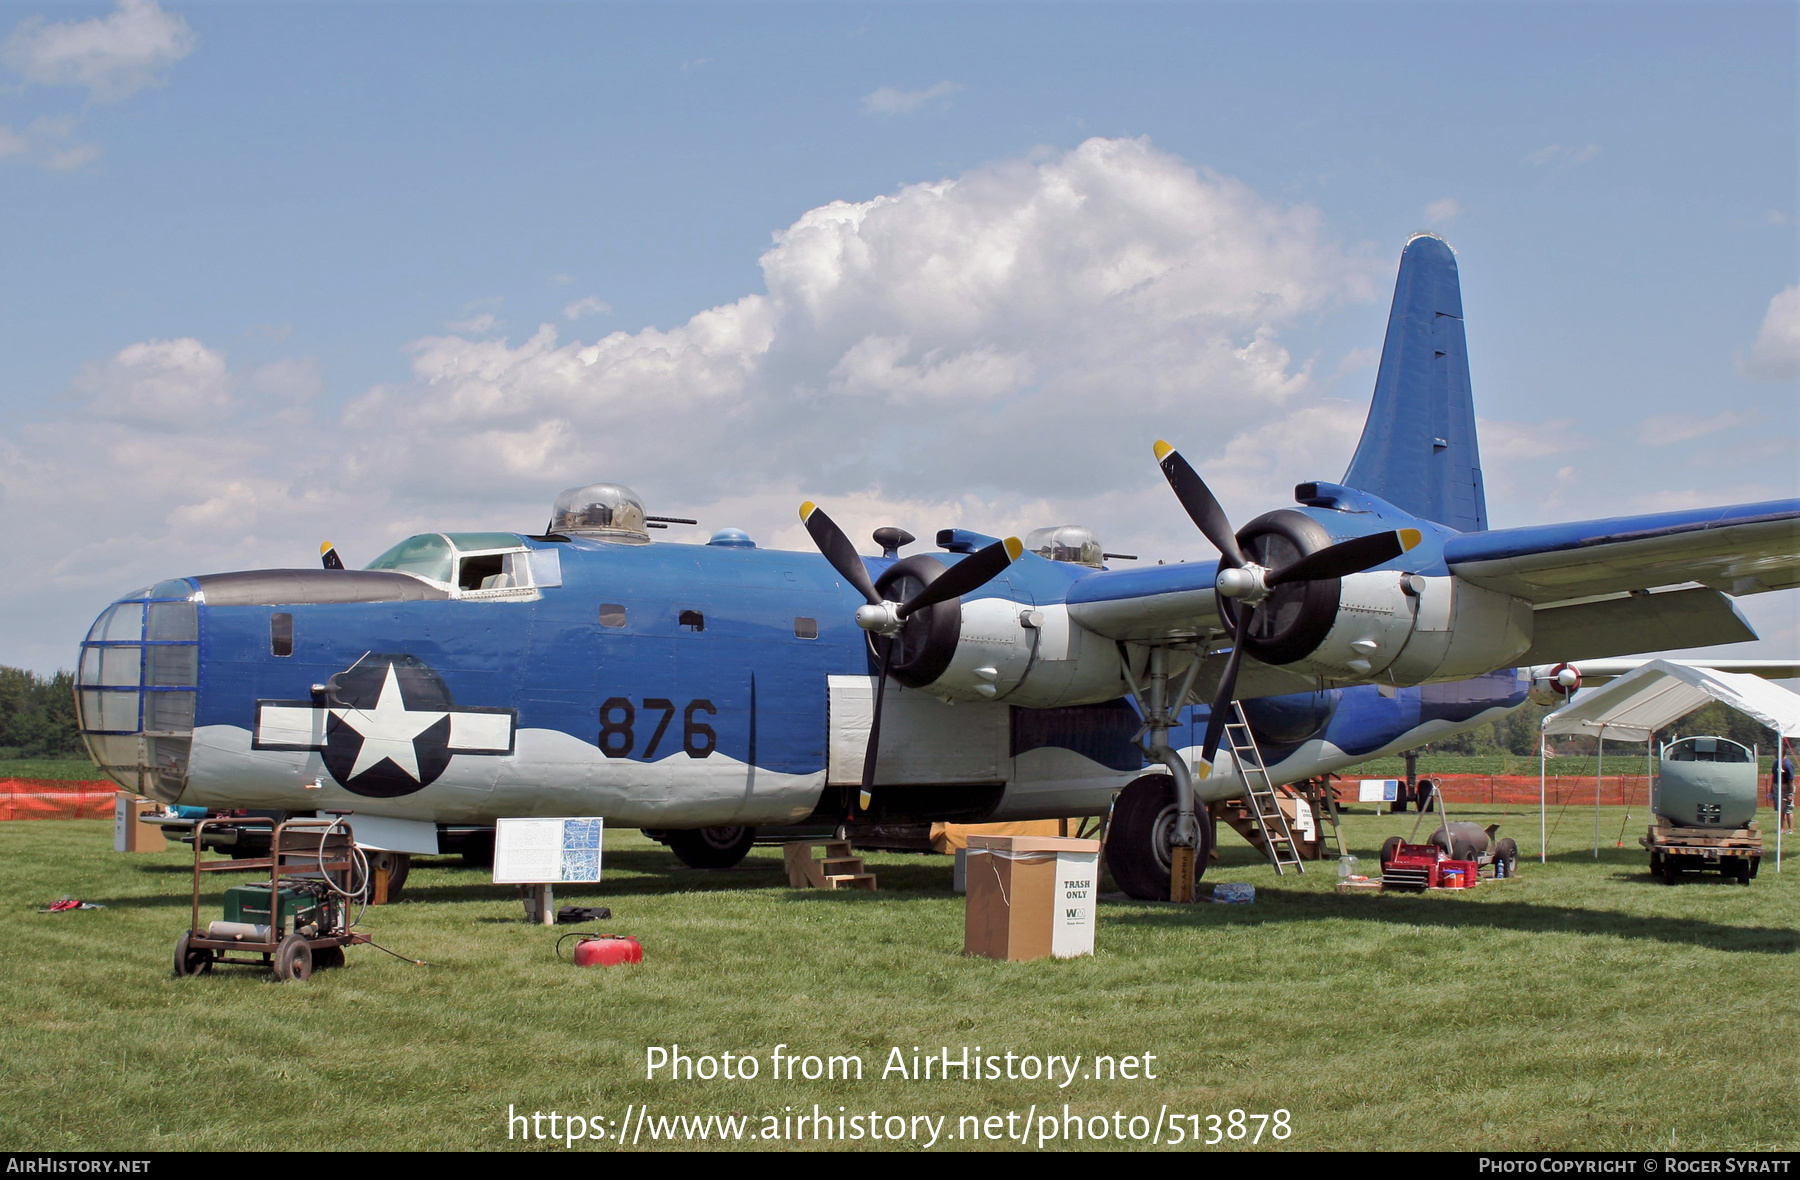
pixel 1202 506
pixel 967 575
pixel 838 550
pixel 1346 557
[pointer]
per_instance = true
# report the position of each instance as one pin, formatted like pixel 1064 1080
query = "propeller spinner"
pixel 1242 585
pixel 883 618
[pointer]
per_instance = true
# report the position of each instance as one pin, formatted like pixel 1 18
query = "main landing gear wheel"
pixel 397 864
pixel 293 959
pixel 712 848
pixel 1139 838
pixel 189 961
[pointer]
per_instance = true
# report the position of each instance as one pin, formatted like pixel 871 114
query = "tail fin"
pixel 1418 449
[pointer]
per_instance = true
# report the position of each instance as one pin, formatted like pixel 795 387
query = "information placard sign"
pixel 547 851
pixel 1377 790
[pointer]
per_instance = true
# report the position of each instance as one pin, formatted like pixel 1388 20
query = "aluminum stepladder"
pixel 1259 791
pixel 1324 807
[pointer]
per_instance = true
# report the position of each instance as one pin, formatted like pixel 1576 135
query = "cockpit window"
pixel 1707 749
pixel 458 560
pixel 428 555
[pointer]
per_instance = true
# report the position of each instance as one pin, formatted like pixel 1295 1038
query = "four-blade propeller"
pixel 884 618
pixel 1242 584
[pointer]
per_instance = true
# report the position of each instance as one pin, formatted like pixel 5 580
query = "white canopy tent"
pixel 1656 695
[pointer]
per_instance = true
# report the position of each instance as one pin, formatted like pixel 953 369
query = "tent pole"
pixel 1780 745
pixel 1599 773
pixel 1543 851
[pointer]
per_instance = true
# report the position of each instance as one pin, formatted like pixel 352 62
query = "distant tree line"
pixel 37 715
pixel 1517 733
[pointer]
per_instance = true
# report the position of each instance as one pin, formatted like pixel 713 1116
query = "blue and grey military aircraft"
pixel 702 692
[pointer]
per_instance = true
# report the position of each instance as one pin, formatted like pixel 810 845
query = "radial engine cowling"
pixel 958 649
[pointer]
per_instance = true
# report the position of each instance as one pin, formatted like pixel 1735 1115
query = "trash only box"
pixel 1030 896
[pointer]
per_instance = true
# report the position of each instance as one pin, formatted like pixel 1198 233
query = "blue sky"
pixel 275 273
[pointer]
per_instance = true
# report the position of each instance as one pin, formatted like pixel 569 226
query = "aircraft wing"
pixel 1743 549
pixel 1158 602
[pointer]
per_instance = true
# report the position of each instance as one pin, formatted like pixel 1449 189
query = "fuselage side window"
pixel 612 614
pixel 281 634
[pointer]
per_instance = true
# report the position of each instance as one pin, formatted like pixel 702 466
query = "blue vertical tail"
pixel 1418 450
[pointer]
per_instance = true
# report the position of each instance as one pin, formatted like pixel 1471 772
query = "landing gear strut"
pixel 1187 845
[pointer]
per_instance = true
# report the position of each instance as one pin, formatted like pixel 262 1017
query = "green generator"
pixel 250 904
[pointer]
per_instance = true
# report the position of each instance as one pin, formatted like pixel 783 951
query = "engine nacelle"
pixel 994 649
pixel 1401 628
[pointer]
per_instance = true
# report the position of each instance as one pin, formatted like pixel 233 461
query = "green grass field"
pixel 50 768
pixel 1580 1006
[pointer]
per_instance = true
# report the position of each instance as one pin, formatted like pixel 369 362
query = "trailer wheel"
pixel 1507 852
pixel 1137 840
pixel 293 959
pixel 189 961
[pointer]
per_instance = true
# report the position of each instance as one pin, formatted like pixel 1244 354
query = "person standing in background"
pixel 1781 785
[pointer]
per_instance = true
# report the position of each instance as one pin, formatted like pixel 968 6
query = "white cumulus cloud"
pixel 996 350
pixel 163 382
pixel 1776 354
pixel 113 56
pixel 1443 211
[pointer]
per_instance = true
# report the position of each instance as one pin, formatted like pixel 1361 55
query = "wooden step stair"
pixel 1237 815
pixel 839 868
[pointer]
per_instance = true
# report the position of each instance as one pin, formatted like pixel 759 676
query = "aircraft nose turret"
pixel 138 685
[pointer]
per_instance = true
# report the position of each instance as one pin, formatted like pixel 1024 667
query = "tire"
pixel 1507 851
pixel 398 865
pixel 1388 848
pixel 712 848
pixel 478 850
pixel 1137 841
pixel 191 962
pixel 293 959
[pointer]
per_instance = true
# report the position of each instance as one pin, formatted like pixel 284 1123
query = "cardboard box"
pixel 128 834
pixel 1030 896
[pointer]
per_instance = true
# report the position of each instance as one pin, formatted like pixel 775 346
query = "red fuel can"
pixel 608 950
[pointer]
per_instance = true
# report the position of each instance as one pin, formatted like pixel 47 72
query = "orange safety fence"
pixel 43 798
pixel 1615 789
